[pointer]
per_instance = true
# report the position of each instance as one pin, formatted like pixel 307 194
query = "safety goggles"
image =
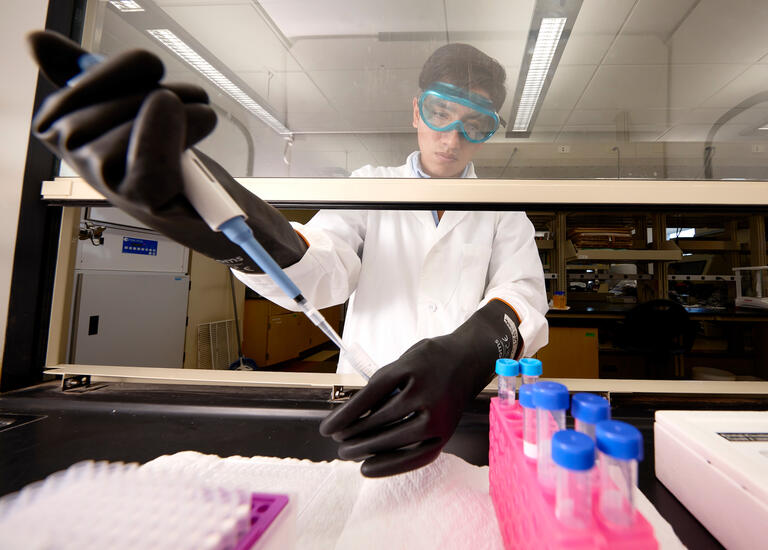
pixel 444 107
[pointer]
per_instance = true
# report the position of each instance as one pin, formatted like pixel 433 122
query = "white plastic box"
pixel 716 464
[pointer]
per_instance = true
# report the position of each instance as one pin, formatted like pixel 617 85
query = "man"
pixel 434 297
pixel 393 265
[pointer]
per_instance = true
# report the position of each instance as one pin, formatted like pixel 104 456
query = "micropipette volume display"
pixel 219 210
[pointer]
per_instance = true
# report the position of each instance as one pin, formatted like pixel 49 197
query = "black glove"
pixel 124 133
pixel 409 409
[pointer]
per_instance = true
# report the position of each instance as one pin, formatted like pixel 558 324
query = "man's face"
pixel 443 154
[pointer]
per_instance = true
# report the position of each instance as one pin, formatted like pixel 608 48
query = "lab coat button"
pixel 432 308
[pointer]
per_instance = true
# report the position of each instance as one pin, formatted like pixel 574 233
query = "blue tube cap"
pixel 530 367
pixel 588 407
pixel 573 450
pixel 507 367
pixel 525 396
pixel 619 440
pixel 551 396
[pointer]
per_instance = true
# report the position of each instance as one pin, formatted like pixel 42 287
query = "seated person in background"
pixel 435 297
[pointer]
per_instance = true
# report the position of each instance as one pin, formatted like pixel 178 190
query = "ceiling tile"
pixel 489 16
pixel 172 3
pixel 691 85
pixel 316 121
pixel 270 87
pixel 609 116
pixel 722 32
pixel 373 90
pixel 593 116
pixel 384 121
pixel 303 95
pixel 602 16
pixel 328 142
pixel 313 162
pixel 508 51
pixel 352 17
pixel 585 49
pixel 750 82
pixel 567 86
pixel 626 87
pixel 388 142
pixel 386 158
pixel 638 50
pixel 240 38
pixel 597 134
pixel 649 116
pixel 699 133
pixel 544 134
pixel 752 117
pixel 360 53
pixel 552 117
pixel 367 61
pixel 656 18
pixel 694 116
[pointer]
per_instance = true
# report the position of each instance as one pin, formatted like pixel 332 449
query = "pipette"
pixel 219 210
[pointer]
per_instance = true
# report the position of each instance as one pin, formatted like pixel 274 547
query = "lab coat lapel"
pixel 452 218
pixel 449 221
pixel 426 219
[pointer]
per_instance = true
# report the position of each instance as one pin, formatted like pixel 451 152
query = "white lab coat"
pixel 408 279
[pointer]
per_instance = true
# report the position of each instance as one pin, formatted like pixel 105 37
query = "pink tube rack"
pixel 526 513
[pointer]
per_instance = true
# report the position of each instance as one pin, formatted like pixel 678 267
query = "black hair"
pixel 467 67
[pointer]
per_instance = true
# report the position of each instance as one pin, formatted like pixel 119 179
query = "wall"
pixel 16 96
pixel 210 299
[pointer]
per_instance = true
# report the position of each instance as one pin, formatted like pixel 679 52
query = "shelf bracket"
pixel 75 382
pixel 340 395
pixel 78 383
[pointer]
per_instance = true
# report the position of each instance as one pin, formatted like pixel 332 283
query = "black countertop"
pixel 43 430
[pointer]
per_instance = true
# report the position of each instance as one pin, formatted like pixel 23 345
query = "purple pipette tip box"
pixel 265 509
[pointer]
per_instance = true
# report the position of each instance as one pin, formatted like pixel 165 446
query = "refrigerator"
pixel 131 288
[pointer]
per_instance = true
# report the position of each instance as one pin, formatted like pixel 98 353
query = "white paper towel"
pixel 444 505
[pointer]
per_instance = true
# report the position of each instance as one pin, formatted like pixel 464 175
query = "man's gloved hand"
pixel 124 132
pixel 409 409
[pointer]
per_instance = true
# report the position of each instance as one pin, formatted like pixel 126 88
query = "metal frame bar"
pixel 34 260
pixel 474 194
pixel 343 383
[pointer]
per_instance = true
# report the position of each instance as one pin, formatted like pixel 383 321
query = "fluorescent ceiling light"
pixel 177 46
pixel 763 128
pixel 546 43
pixel 126 5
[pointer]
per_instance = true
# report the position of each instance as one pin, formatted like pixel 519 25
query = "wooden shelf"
pixel 609 277
pixel 545 244
pixel 695 245
pixel 707 278
pixel 669 253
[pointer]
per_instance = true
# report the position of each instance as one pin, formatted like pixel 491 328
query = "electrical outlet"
pixel 564 148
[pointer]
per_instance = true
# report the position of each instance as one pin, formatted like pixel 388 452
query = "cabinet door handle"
pixel 93 325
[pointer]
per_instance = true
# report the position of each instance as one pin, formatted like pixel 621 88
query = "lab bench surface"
pixel 607 310
pixel 43 430
pixel 733 339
